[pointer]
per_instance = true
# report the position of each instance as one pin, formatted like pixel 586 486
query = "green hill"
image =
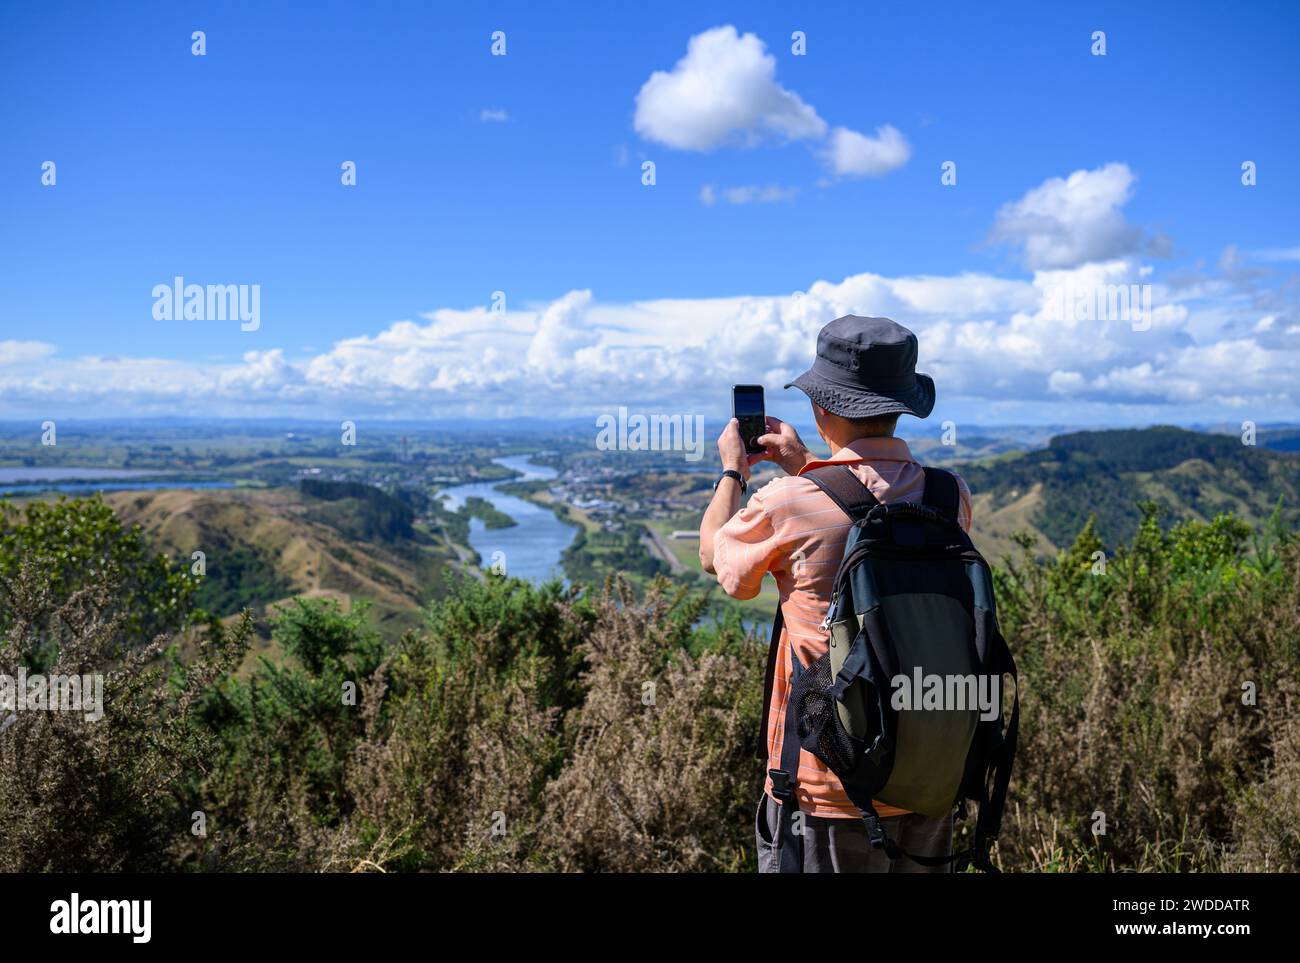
pixel 1108 473
pixel 324 541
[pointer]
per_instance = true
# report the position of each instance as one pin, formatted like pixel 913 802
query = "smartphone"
pixel 747 408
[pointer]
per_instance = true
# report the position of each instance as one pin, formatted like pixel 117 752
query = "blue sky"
pixel 522 173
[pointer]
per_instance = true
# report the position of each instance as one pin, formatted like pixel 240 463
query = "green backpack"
pixel 912 609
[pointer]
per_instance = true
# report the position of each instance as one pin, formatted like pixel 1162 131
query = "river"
pixel 531 548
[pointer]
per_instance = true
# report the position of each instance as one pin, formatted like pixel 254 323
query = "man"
pixel 863 378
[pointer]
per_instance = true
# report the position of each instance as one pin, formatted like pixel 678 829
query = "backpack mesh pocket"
pixel 820 730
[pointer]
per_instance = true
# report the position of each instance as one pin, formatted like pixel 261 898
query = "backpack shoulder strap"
pixel 769 679
pixel 845 490
pixel 941 492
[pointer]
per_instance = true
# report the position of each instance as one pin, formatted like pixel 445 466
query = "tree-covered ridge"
pixel 1146 449
pixel 1107 474
pixel 373 512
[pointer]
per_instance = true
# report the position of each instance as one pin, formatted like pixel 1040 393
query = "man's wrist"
pixel 731 474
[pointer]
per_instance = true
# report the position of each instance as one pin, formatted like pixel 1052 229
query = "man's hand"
pixel 731 449
pixel 783 446
pixel 726 497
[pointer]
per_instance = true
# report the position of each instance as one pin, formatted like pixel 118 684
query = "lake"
pixel 20 481
pixel 531 548
pixel 8 475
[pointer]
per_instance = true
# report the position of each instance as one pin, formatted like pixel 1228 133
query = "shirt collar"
pixel 865 449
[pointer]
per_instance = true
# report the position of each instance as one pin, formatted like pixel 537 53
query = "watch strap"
pixel 731 473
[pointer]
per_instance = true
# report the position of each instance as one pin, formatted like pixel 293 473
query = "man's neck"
pixel 835 445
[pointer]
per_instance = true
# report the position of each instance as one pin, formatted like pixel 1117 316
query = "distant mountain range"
pixel 1277 435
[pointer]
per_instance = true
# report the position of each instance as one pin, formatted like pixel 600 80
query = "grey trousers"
pixel 841 845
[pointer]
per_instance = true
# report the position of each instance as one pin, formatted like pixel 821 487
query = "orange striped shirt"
pixel 791 528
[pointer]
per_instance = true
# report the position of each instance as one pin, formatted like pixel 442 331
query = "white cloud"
pixel 723 91
pixel 1065 382
pixel 849 153
pixel 562 335
pixel 997 347
pixel 24 352
pixel 1065 222
pixel 492 115
pixel 262 372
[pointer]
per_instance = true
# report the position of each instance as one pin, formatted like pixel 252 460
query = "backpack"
pixel 913 599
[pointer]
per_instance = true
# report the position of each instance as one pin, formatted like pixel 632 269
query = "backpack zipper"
pixel 830 611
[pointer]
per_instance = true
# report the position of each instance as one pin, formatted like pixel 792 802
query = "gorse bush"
pixel 470 728
pixel 80 595
pixel 1159 701
pixel 119 793
pixel 75 543
pixel 660 771
pixel 286 735
pixel 523 728
pixel 543 728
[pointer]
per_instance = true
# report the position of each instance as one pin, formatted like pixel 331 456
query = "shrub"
pixel 116 794
pixel 278 792
pixel 549 728
pixel 662 774
pixel 1135 702
pixel 75 543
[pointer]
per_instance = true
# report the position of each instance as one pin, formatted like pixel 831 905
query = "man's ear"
pixel 819 419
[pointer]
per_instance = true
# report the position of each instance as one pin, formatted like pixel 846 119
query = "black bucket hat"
pixel 867 367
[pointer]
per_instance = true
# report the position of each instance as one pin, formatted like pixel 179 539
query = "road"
pixel 658 545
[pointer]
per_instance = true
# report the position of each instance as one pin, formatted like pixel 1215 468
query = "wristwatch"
pixel 731 473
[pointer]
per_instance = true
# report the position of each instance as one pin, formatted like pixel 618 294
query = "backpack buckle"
pixel 876 833
pixel 878 838
pixel 782 784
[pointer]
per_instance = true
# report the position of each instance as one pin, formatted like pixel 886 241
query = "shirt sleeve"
pixel 963 503
pixel 745 548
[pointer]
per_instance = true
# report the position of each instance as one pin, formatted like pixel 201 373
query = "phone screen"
pixel 747 408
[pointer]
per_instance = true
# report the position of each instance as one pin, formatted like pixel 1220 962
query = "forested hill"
pixel 1108 473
